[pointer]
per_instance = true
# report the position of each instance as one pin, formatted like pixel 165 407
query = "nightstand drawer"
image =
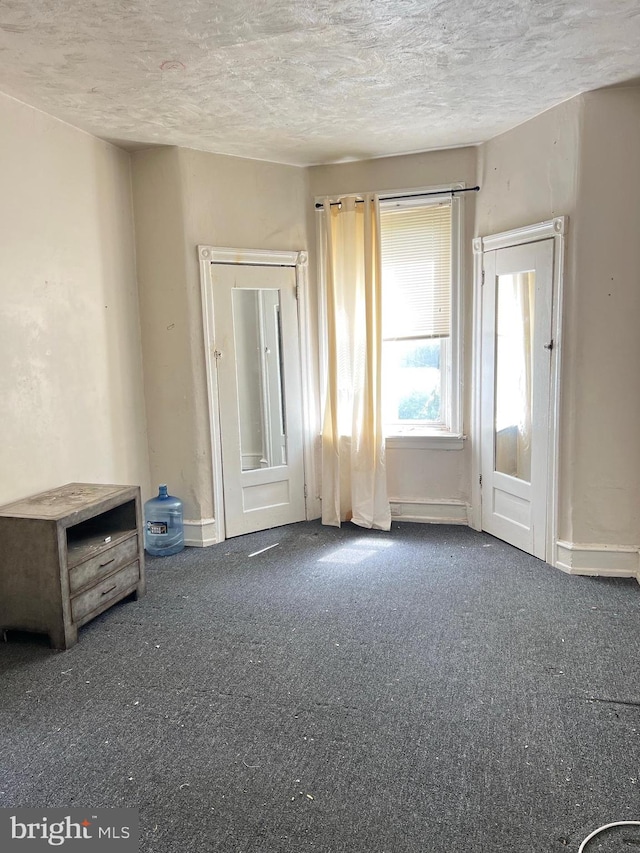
pixel 103 564
pixel 107 590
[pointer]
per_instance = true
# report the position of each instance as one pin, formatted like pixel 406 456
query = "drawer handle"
pixel 102 565
pixel 111 588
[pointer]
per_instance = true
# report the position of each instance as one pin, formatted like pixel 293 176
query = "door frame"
pixel 299 260
pixel 555 229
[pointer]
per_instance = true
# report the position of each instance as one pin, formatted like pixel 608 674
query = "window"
pixel 420 327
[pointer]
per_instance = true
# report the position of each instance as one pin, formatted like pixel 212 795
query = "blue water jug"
pixel 163 524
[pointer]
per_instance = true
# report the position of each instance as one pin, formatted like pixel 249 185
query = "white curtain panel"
pixel 354 486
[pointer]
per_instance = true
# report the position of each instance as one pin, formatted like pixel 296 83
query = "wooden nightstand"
pixel 67 555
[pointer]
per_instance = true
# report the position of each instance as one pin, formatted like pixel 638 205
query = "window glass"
pixel 416 245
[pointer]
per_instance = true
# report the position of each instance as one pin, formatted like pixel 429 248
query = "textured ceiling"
pixel 310 81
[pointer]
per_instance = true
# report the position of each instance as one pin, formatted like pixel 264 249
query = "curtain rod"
pixel 320 205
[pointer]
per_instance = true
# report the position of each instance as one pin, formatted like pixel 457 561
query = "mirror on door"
pixel 513 374
pixel 258 341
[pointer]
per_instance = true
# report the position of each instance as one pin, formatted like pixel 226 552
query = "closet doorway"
pixel 255 387
pixel 519 338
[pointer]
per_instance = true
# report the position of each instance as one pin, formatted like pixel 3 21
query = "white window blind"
pixel 416 271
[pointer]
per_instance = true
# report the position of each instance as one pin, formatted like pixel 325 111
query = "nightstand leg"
pixel 63 638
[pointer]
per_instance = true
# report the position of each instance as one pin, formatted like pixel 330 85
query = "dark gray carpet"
pixel 428 690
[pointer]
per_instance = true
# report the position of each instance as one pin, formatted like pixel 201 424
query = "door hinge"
pixel 306 493
pixel 480 479
pixel 549 346
pixel 482 284
pixel 216 354
pixel 298 292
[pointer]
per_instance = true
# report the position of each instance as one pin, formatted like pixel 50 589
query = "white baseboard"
pixel 616 561
pixel 200 533
pixel 430 512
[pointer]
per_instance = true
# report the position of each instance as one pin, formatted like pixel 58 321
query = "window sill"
pixel 434 440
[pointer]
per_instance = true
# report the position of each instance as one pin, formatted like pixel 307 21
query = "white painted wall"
pixel 604 317
pixel 71 378
pixel 527 175
pixel 530 173
pixel 183 199
pixel 416 476
pixel 174 451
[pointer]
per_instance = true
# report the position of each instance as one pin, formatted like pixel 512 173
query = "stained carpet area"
pixel 430 689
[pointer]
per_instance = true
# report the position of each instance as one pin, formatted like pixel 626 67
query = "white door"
pixel 517 297
pixel 257 356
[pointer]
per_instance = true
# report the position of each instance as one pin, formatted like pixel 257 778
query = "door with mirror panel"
pixel 515 403
pixel 259 395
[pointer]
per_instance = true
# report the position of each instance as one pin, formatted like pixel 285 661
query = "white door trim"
pixel 552 228
pixel 529 234
pixel 208 255
pixel 257 257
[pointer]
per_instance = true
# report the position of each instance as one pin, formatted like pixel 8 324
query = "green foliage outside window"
pixel 419 406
